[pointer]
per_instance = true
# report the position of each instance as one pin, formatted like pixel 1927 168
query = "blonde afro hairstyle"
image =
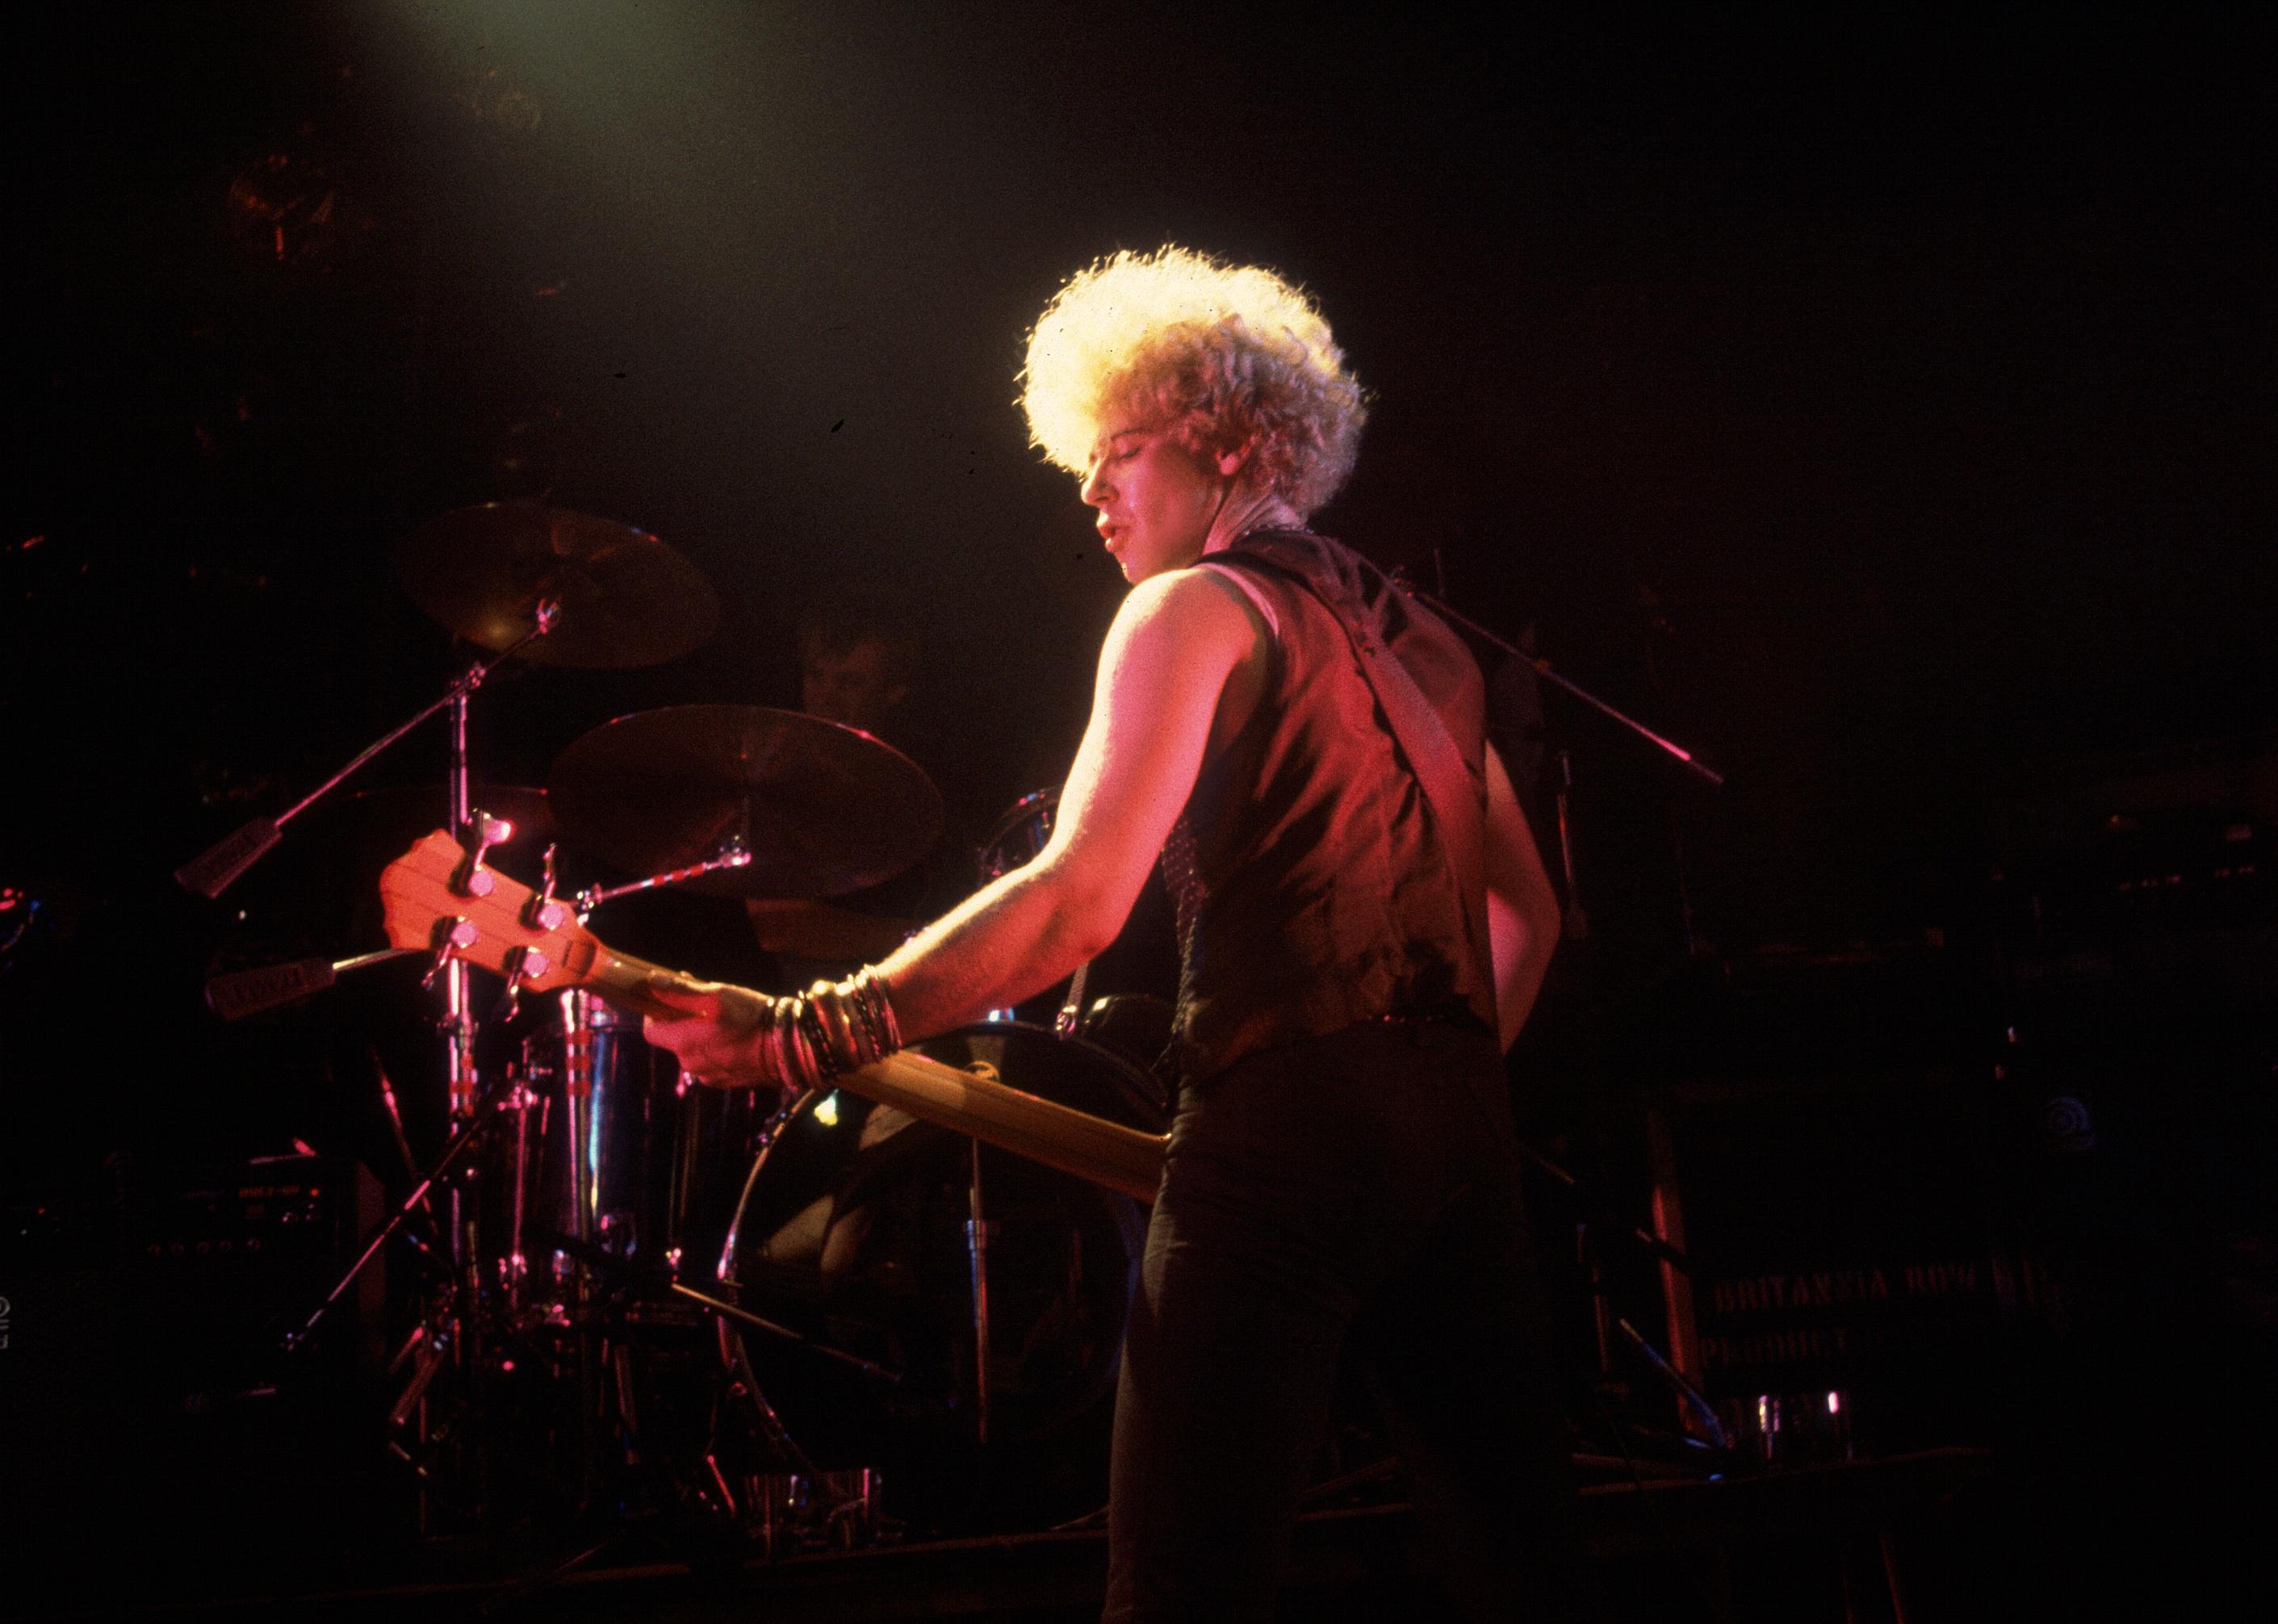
pixel 1225 356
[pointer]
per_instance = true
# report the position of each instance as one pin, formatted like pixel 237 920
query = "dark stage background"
pixel 1883 408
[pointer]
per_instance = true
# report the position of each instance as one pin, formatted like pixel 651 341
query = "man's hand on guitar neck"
pixel 734 1038
pixel 719 1042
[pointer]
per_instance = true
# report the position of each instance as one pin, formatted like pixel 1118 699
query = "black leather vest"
pixel 1313 890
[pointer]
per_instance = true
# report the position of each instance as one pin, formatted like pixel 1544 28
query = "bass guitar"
pixel 440 900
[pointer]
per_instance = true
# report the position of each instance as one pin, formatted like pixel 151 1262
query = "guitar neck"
pixel 1107 1154
pixel 428 896
pixel 619 978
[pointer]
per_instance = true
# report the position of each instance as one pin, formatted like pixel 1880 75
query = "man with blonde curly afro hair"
pixel 1363 925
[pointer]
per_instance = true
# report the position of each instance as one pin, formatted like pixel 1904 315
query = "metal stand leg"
pixel 1891 1576
pixel 977 1229
pixel 469 1131
pixel 744 1388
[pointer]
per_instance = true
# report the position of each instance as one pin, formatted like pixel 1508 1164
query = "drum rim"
pixel 1152 1119
pixel 1046 799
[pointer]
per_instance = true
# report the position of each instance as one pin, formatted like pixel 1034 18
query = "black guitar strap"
pixel 1458 800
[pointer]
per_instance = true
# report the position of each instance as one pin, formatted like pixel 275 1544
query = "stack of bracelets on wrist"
pixel 833 1029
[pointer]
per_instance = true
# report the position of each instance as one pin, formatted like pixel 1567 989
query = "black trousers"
pixel 1355 1191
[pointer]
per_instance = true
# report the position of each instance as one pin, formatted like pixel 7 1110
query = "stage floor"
pixel 1807 1543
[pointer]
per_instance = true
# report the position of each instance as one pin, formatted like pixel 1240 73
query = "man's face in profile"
pixel 855 686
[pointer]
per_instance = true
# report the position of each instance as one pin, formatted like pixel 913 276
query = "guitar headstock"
pixel 425 896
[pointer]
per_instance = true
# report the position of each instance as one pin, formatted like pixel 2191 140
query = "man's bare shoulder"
pixel 1194 603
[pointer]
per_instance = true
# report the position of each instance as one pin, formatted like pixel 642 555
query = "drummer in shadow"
pixel 860 654
pixel 858 659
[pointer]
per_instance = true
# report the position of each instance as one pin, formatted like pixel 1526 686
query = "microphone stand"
pixel 1542 669
pixel 1577 921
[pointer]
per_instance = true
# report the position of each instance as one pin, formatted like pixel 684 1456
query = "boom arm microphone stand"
pixel 1691 762
pixel 1577 925
pixel 1595 1216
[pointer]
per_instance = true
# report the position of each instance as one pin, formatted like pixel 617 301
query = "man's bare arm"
pixel 1165 661
pixel 824 930
pixel 1174 641
pixel 1522 909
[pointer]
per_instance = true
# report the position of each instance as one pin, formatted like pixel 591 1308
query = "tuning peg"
pixel 522 964
pixel 451 935
pixel 472 879
pixel 542 911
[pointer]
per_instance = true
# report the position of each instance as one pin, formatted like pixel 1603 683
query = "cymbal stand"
pixel 733 854
pixel 463 1248
pixel 978 1232
pixel 463 1141
pixel 458 1024
pixel 215 869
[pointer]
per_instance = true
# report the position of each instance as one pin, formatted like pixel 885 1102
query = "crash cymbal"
pixel 627 599
pixel 823 809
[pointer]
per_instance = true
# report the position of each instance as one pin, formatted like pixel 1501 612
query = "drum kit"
pixel 638 1298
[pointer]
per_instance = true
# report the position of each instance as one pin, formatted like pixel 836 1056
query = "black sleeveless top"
pixel 1312 887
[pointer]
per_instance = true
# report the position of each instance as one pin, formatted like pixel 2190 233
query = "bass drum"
pixel 852 1231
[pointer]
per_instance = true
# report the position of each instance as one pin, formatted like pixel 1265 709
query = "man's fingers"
pixel 689 997
pixel 707 1025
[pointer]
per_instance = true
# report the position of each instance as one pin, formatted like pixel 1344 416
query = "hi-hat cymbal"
pixel 626 598
pixel 823 809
